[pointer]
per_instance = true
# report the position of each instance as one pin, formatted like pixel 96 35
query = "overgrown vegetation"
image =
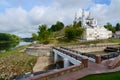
pixel 15 62
pixel 103 76
pixel 73 32
pixel 43 34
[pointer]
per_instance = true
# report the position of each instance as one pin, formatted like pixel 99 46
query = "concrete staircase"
pixel 115 63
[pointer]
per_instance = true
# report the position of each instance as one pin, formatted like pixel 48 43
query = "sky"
pixel 22 17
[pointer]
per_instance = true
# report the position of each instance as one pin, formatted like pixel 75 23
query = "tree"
pixel 79 31
pixel 5 37
pixel 56 27
pixel 77 24
pixel 42 28
pixel 70 33
pixel 43 33
pixel 117 27
pixel 73 32
pixel 53 28
pixel 59 25
pixel 34 36
pixel 110 27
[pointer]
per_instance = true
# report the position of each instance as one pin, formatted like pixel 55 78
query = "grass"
pixel 114 40
pixel 63 42
pixel 103 76
pixel 12 52
pixel 15 62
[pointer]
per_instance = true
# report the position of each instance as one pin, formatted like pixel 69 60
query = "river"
pixel 11 45
pixel 23 43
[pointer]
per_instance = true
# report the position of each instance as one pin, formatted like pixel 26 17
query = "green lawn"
pixel 104 76
pixel 114 40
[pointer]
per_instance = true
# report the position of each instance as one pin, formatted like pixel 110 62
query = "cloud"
pixel 107 13
pixel 14 20
pixel 23 22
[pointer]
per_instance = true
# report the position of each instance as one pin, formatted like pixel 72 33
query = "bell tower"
pixel 83 18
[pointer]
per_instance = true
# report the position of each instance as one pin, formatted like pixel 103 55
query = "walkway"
pixel 93 68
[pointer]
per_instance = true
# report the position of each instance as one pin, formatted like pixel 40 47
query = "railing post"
pixel 55 57
pixel 98 59
pixel 85 62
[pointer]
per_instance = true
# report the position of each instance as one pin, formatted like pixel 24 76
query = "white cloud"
pixel 107 13
pixel 14 20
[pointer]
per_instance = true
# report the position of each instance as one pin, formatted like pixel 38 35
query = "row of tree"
pixel 112 28
pixel 71 31
pixel 5 37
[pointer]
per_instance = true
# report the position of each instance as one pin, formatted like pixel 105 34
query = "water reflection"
pixel 23 43
pixel 8 46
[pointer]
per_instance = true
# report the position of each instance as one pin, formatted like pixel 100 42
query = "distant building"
pixel 117 34
pixel 92 30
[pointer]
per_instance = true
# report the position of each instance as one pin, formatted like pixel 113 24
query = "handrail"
pixel 72 55
pixel 85 54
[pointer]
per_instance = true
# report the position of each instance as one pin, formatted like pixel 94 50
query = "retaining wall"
pixel 38 51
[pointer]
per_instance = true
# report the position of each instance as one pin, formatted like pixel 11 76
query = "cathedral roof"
pixel 89 17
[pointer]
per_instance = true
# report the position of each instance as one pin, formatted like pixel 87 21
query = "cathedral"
pixel 92 30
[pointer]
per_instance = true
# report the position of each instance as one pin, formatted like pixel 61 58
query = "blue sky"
pixel 102 2
pixel 26 4
pixel 29 4
pixel 22 17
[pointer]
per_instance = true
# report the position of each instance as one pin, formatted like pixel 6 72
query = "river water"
pixel 23 43
pixel 11 45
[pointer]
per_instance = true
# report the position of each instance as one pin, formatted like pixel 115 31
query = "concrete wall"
pixel 38 51
pixel 93 47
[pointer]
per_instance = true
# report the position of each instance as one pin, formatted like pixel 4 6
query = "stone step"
pixel 114 63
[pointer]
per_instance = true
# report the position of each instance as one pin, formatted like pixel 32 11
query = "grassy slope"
pixel 12 52
pixel 63 42
pixel 15 62
pixel 104 76
pixel 114 40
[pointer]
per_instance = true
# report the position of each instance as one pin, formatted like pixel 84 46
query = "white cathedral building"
pixel 92 30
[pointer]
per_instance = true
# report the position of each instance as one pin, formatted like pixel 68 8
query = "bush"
pixel 72 32
pixel 46 42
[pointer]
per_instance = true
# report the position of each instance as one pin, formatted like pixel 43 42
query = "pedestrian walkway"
pixel 93 68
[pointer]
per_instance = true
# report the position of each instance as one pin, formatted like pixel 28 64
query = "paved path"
pixel 92 69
